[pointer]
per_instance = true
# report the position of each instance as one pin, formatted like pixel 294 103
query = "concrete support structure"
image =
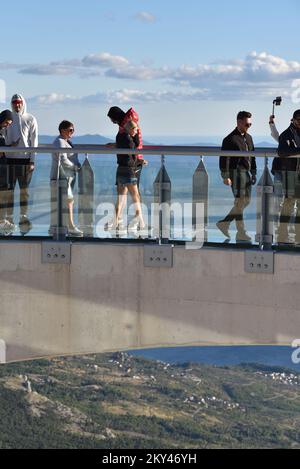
pixel 107 300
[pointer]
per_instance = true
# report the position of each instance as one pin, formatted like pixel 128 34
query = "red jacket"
pixel 131 114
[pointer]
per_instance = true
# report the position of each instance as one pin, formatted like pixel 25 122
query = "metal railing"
pixel 265 186
pixel 166 150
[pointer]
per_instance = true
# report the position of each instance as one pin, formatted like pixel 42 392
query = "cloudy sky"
pixel 186 67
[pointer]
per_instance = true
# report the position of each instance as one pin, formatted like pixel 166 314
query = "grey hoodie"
pixel 25 128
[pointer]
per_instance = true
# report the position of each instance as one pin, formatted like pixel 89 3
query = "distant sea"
pixel 223 355
pixel 179 169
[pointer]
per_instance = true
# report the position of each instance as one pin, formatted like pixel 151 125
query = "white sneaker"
pixel 136 224
pixel 113 225
pixel 25 224
pixel 75 232
pixel 7 228
pixel 118 229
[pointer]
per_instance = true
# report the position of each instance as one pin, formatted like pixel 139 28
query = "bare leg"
pixel 70 208
pixel 121 202
pixel 134 192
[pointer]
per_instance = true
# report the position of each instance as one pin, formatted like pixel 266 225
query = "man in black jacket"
pixel 240 174
pixel 289 168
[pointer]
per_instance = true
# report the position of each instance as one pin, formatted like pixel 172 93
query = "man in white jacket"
pixel 24 130
pixel 273 128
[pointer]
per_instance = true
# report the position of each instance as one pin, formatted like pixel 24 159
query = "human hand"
pixel 272 119
pixel 227 182
pixel 253 180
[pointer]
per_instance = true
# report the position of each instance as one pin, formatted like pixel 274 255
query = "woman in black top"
pixel 126 179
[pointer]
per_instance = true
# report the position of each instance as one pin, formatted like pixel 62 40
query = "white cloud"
pixel 46 70
pixel 85 67
pixel 53 98
pixel 122 96
pixel 104 60
pixel 258 75
pixel 139 72
pixel 145 17
pixel 254 68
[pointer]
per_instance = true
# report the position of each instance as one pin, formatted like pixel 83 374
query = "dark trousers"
pixel 10 174
pixel 289 215
pixel 3 189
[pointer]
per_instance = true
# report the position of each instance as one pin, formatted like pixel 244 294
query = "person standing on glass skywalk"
pixel 289 145
pixel 6 119
pixel 239 174
pixel 118 116
pixel 126 179
pixel 69 165
pixel 24 130
pixel 278 192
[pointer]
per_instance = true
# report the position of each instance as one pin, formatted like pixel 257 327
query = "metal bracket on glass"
pixel 56 252
pixel 265 189
pixel 265 239
pixel 158 256
pixel 260 262
pixel 268 189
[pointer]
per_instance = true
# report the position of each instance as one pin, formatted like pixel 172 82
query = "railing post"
pixel 265 209
pixel 61 229
pixel 162 199
pixel 200 195
pixel 86 210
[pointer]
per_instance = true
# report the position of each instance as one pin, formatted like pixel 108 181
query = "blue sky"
pixel 186 67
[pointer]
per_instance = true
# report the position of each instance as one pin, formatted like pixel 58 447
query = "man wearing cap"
pixel 24 130
pixel 289 145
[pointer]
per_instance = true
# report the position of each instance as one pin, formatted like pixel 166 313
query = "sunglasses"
pixel 71 130
pixel 248 125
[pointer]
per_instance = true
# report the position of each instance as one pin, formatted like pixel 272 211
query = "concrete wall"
pixel 106 300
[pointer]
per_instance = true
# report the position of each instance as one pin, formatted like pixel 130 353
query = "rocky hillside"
pixel 117 401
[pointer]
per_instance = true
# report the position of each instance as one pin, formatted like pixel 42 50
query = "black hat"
pixel 116 114
pixel 7 114
pixel 296 114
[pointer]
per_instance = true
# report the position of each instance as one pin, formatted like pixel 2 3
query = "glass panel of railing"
pixel 286 209
pixel 201 201
pixel 25 197
pixel 107 199
pixel 182 197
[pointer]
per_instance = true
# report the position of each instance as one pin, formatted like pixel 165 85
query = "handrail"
pixel 166 150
